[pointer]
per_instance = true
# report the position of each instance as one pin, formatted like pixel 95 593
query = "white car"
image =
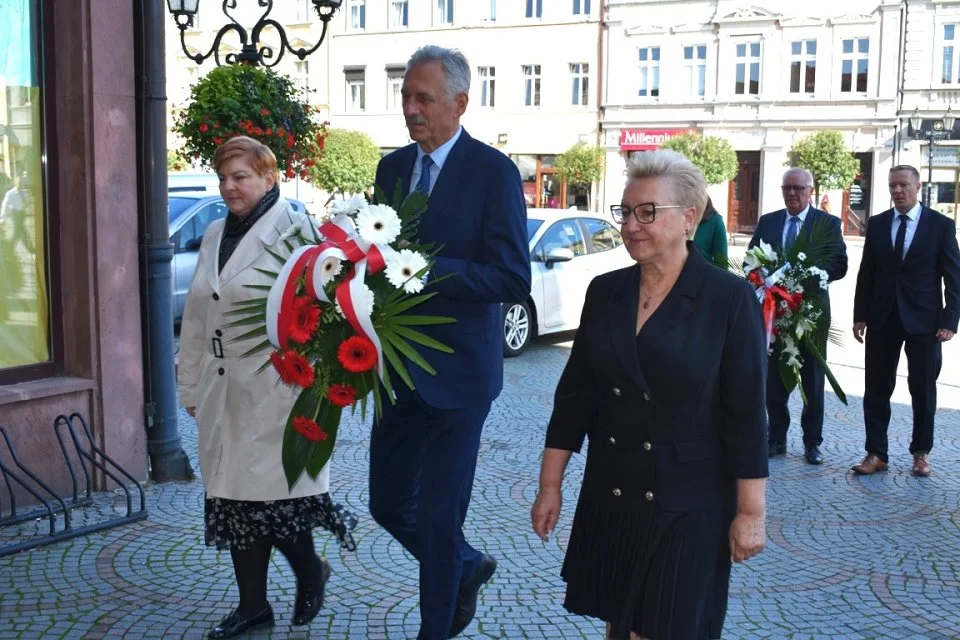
pixel 568 249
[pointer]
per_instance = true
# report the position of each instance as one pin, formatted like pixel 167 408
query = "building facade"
pixel 761 75
pixel 535 68
pixel 70 332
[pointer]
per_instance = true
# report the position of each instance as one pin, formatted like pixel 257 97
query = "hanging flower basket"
pixel 251 101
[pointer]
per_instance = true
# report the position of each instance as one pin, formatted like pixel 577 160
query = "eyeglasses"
pixel 645 212
pixel 797 188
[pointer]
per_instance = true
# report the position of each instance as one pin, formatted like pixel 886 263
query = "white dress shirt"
pixel 914 215
pixel 438 155
pixel 786 225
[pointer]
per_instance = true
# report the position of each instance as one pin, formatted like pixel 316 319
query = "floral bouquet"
pixel 337 314
pixel 793 296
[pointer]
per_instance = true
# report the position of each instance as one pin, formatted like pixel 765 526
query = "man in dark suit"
pixel 781 229
pixel 423 452
pixel 910 258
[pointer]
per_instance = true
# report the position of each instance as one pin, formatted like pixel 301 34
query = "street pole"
pixel 168 461
pixel 929 189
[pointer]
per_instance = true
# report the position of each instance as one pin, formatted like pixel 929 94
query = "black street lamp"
pixel 939 129
pixel 253 52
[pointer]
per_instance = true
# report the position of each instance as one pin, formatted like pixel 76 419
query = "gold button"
pixel 648 495
pixel 616 392
pixel 616 492
pixel 647 446
pixel 612 440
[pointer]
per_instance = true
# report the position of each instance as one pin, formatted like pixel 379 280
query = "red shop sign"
pixel 646 139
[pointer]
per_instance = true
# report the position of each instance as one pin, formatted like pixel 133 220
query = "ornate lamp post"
pixel 253 52
pixel 938 129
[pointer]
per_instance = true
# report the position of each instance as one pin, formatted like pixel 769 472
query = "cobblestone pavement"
pixel 848 557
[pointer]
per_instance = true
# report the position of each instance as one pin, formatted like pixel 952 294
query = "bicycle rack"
pixel 55 505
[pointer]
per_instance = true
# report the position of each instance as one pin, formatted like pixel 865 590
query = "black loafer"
pixel 776 449
pixel 234 624
pixel 812 455
pixel 467 599
pixel 310 600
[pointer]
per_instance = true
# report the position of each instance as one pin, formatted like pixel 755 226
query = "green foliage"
pixel 826 156
pixel 581 164
pixel 176 161
pixel 240 99
pixel 715 157
pixel 349 162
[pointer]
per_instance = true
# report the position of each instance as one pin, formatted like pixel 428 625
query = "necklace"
pixel 651 298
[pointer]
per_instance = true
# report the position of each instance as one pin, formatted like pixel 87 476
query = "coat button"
pixel 612 440
pixel 218 333
pixel 616 493
pixel 616 391
pixel 648 495
pixel 647 446
pixel 646 396
pixel 216 296
pixel 221 371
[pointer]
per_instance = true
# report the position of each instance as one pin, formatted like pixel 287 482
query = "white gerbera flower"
pixel 330 268
pixel 362 302
pixel 349 206
pixel 402 268
pixel 378 224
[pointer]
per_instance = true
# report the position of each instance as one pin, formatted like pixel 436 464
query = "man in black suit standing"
pixel 910 253
pixel 780 230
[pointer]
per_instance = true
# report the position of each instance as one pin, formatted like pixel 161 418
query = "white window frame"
pixel 445 13
pixel 492 14
pixel 580 84
pixel 488 87
pixel 531 85
pixel 694 67
pixel 399 14
pixel 942 44
pixel 534 9
pixel 803 58
pixel 748 61
pixel 302 74
pixel 854 57
pixel 394 87
pixel 304 9
pixel 648 71
pixel 581 7
pixel 358 15
pixel 356 93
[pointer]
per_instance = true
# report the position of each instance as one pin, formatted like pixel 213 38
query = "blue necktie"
pixel 792 230
pixel 424 184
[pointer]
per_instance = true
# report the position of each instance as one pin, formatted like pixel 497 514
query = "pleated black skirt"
pixel 662 575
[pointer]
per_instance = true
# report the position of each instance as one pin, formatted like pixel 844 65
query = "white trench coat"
pixel 240 414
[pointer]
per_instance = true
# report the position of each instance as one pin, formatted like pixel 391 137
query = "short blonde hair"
pixel 259 155
pixel 688 184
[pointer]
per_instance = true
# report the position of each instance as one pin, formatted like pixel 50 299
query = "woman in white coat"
pixel 240 413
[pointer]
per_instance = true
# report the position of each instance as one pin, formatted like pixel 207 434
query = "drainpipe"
pixel 602 183
pixel 901 57
pixel 168 461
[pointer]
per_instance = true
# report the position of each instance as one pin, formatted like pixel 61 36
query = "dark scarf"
pixel 236 227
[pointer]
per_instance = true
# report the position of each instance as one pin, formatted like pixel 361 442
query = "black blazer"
pixel 676 422
pixel 916 285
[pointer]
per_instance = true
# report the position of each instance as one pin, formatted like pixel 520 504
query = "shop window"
pixel 24 273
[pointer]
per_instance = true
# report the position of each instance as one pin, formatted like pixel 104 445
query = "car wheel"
pixel 516 328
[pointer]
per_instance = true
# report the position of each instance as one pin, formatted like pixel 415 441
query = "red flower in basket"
pixel 309 429
pixel 357 354
pixel 304 320
pixel 293 368
pixel 342 395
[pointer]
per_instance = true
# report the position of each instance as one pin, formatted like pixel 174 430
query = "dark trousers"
pixel 778 413
pixel 924 357
pixel 422 464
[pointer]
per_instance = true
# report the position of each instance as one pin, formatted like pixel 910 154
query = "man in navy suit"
pixel 423 452
pixel 780 230
pixel 910 258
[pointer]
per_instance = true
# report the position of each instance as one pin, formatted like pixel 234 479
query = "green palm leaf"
pixel 401 345
pixel 391 355
pixel 421 338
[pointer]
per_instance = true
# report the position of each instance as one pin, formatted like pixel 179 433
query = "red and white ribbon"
pixel 341 242
pixel 768 293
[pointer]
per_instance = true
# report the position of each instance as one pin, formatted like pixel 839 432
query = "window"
pixel 358 14
pixel 399 13
pixel 951 65
pixel 394 86
pixel 445 11
pixel 534 9
pixel 748 69
pixel 564 234
pixel 531 85
pixel 603 235
pixel 855 65
pixel 695 69
pixel 303 11
pixel 356 90
pixel 24 302
pixel 492 16
pixel 303 74
pixel 649 72
pixel 581 7
pixel 488 86
pixel 803 66
pixel 579 77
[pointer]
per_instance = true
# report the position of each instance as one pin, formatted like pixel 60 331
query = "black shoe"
pixel 310 600
pixel 233 625
pixel 812 455
pixel 776 449
pixel 467 600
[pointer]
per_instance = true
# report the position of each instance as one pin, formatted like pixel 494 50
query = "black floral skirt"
pixel 237 524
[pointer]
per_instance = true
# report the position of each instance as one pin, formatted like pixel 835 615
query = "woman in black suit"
pixel 666 378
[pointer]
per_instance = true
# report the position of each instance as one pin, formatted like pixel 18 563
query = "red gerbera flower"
pixel 309 429
pixel 357 354
pixel 293 368
pixel 304 319
pixel 342 395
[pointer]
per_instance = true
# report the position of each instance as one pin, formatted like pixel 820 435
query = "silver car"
pixel 191 212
